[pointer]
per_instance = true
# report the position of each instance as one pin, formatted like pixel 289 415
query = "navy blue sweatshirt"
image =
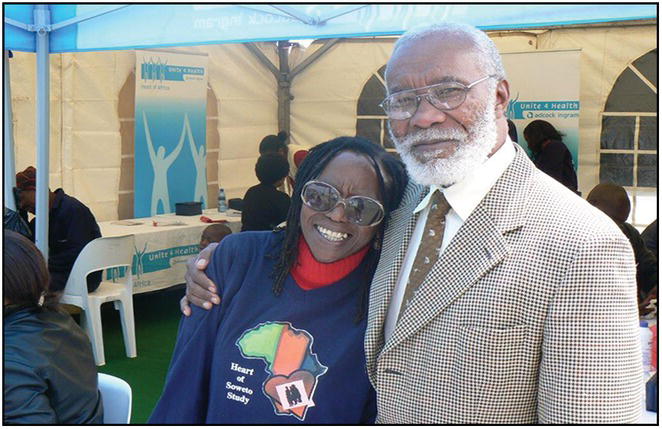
pixel 265 359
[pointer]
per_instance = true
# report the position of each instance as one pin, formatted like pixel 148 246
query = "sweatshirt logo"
pixel 293 368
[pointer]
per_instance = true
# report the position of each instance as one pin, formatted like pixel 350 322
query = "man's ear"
pixel 502 98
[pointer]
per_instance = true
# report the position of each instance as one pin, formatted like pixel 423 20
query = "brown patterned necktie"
pixel 428 249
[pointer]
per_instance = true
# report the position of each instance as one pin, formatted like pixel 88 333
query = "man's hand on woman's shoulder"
pixel 200 290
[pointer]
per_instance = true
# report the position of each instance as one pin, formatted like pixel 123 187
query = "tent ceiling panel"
pixel 85 27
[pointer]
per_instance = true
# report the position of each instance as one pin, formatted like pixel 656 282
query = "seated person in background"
pixel 49 371
pixel 277 144
pixel 650 237
pixel 265 206
pixel 614 202
pixel 274 144
pixel 214 234
pixel 551 155
pixel 71 225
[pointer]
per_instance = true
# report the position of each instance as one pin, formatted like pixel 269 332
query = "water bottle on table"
pixel 646 338
pixel 222 202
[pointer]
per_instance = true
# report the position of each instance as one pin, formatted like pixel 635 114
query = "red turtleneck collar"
pixel 310 274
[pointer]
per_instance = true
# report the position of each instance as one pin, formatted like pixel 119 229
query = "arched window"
pixel 370 118
pixel 628 140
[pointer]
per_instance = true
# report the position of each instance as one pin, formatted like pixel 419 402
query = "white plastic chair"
pixel 99 254
pixel 116 398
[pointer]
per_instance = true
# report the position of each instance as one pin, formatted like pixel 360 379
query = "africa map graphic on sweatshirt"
pixel 292 366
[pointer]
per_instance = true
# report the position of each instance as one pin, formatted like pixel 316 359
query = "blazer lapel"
pixel 394 247
pixel 478 246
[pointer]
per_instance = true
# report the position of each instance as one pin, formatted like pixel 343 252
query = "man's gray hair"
pixel 487 53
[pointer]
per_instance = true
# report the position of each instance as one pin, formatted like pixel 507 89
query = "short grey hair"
pixel 487 53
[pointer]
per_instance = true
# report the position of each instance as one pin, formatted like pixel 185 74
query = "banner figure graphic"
pixel 160 165
pixel 200 160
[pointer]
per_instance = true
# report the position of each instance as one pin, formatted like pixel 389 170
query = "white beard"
pixel 475 146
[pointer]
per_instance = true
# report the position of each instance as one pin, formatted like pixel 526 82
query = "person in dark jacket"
pixel 264 205
pixel 551 155
pixel 614 202
pixel 650 237
pixel 71 225
pixel 49 371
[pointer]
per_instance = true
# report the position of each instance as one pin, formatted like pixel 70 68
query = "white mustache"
pixel 432 134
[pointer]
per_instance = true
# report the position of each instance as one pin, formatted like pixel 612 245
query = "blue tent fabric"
pixel 135 26
pixel 18 38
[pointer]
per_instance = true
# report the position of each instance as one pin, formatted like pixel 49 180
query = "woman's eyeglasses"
pixel 322 197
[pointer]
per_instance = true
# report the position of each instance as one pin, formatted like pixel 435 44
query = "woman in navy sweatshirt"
pixel 285 345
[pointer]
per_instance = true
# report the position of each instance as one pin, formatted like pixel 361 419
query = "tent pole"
pixel 341 12
pixel 284 84
pixel 283 79
pixel 314 57
pixel 10 163
pixel 284 75
pixel 257 53
pixel 42 20
pixel 296 14
pixel 81 18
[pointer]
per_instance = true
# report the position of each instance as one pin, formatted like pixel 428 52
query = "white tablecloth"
pixel 161 252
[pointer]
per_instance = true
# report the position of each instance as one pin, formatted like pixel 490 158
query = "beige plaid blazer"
pixel 530 315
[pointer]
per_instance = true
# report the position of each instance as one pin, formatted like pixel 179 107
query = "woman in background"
pixel 551 155
pixel 49 371
pixel 264 205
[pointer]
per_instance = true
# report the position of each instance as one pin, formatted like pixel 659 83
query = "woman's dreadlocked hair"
pixel 392 180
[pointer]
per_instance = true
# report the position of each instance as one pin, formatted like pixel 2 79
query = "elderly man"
pixel 492 301
pixel 512 316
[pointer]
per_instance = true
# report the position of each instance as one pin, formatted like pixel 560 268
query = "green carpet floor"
pixel 157 317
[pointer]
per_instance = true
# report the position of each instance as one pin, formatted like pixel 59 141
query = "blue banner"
pixel 170 133
pixel 533 109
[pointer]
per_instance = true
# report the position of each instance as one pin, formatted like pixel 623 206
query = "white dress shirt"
pixel 463 198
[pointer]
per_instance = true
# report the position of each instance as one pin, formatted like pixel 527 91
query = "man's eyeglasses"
pixel 443 96
pixel 322 197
